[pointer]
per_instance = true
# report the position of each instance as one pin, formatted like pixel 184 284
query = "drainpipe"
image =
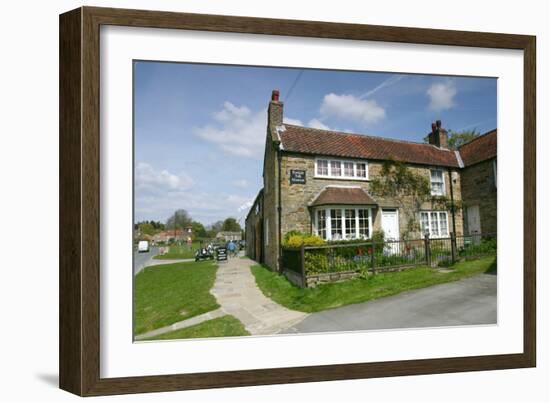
pixel 280 257
pixel 452 201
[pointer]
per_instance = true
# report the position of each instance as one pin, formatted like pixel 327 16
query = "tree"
pixel 214 228
pixel 146 228
pixel 179 220
pixel 456 139
pixel 198 229
pixel 231 224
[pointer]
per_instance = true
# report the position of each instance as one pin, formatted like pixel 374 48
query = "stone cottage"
pixel 479 184
pixel 318 181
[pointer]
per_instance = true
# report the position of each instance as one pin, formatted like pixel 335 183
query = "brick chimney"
pixel 275 110
pixel 438 135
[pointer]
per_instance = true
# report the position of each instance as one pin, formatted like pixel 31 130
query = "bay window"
pixel 332 168
pixel 336 223
pixel 434 223
pixel 437 182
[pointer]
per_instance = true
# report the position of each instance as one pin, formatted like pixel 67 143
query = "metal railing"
pixel 375 257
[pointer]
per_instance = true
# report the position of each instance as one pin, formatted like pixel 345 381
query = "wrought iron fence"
pixel 372 257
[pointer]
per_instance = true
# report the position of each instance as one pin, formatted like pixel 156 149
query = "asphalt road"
pixel 472 301
pixel 142 259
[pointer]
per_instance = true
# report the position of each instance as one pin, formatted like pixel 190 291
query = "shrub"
pixel 295 240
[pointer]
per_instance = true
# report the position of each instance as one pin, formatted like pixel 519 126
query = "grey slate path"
pixel 236 291
pixel 471 301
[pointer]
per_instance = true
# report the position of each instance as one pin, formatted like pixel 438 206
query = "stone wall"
pixel 479 188
pixel 296 197
pixel 254 229
pixel 270 216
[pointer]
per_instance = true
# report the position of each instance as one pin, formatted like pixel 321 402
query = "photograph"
pixel 282 201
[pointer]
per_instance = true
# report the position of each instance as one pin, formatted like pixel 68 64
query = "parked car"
pixel 143 246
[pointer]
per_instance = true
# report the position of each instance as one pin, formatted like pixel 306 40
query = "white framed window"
pixel 335 168
pixel 322 168
pixel 343 222
pixel 343 169
pixel 321 216
pixel 437 181
pixel 434 223
pixel 361 170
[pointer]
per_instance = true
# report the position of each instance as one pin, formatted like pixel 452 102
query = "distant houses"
pixel 174 235
pixel 229 235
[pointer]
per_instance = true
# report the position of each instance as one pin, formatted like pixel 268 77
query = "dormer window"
pixel 342 169
pixel 437 182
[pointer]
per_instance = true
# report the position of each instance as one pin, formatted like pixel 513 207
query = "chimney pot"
pixel 433 127
pixel 438 123
pixel 275 95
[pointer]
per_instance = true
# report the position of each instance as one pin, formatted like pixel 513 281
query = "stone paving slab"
pixel 236 291
pixel 195 320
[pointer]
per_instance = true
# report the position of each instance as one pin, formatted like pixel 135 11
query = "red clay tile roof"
pixel 479 149
pixel 342 195
pixel 324 142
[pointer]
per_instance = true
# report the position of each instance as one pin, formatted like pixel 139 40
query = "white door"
pixel 474 225
pixel 390 224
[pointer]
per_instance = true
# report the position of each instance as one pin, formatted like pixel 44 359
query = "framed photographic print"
pixel 250 201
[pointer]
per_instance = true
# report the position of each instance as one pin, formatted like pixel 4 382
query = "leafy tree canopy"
pixel 179 220
pixel 456 139
pixel 231 224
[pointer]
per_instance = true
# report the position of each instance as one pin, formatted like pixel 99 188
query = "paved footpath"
pixel 236 291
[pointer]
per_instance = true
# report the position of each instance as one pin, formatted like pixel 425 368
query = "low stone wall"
pixel 314 280
pixel 322 278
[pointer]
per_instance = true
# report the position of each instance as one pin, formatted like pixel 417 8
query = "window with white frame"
pixel 437 182
pixel 335 168
pixel 335 223
pixel 343 169
pixel 322 168
pixel 360 170
pixel 434 223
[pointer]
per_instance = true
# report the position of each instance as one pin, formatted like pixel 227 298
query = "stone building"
pixel 318 181
pixel 479 184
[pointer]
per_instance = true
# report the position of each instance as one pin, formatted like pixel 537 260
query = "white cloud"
pixel 290 121
pixel 149 179
pixel 236 130
pixel 317 124
pixel 442 95
pixel 241 183
pixel 352 108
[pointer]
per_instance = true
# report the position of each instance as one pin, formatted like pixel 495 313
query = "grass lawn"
pixel 169 293
pixel 327 296
pixel 180 251
pixel 225 326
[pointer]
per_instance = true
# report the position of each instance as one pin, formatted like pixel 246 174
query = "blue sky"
pixel 200 129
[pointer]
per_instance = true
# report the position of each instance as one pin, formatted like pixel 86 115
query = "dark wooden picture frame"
pixel 79 279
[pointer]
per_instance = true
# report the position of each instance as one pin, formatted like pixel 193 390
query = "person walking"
pixel 231 247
